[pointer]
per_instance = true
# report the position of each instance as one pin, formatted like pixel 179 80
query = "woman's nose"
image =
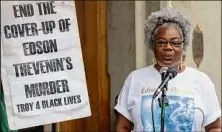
pixel 168 46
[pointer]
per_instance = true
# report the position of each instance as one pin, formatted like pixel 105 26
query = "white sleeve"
pixel 122 102
pixel 213 110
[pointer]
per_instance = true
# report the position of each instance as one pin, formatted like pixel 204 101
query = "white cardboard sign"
pixel 42 67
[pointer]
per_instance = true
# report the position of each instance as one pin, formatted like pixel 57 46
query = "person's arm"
pixel 212 114
pixel 214 126
pixel 123 116
pixel 123 124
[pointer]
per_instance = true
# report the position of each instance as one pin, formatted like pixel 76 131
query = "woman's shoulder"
pixel 201 75
pixel 143 71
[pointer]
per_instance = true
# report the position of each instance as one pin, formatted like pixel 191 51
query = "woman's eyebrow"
pixel 161 38
pixel 175 38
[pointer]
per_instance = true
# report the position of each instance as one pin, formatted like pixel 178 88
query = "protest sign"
pixel 42 68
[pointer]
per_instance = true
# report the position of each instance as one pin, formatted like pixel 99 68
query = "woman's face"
pixel 168 47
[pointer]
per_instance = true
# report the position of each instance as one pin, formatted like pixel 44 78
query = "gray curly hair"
pixel 167 15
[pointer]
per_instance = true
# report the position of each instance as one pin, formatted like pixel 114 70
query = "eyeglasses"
pixel 172 43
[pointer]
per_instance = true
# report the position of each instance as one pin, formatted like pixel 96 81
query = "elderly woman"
pixel 192 100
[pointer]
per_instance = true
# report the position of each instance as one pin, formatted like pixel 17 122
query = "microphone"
pixel 163 72
pixel 171 73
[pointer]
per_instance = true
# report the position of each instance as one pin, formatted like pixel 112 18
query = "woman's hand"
pixel 123 124
pixel 214 126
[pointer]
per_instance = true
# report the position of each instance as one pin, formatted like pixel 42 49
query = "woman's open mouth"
pixel 167 57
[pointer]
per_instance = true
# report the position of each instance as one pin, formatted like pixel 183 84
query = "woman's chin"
pixel 169 64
